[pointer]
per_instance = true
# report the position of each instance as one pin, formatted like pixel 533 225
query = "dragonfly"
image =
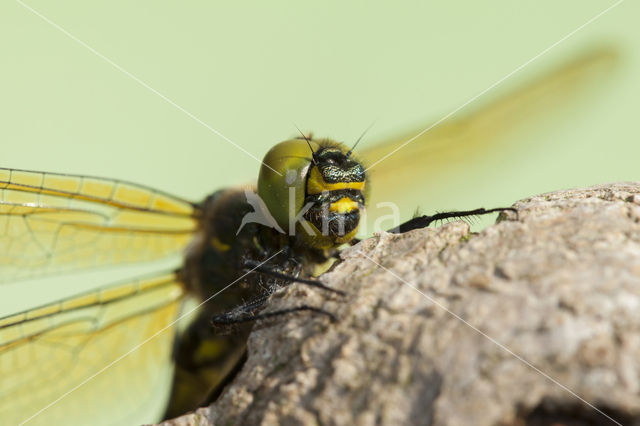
pixel 115 354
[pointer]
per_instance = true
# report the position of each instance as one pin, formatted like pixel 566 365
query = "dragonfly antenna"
pixel 360 138
pixel 313 153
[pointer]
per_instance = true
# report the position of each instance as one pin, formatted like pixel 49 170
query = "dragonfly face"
pixel 320 179
pixel 107 356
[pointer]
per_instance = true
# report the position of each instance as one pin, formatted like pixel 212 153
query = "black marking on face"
pixel 335 166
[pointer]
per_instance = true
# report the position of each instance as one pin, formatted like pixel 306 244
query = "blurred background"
pixel 252 71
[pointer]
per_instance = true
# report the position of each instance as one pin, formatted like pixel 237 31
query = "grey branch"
pixel 536 319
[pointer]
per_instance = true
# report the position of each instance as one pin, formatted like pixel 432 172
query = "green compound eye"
pixel 285 166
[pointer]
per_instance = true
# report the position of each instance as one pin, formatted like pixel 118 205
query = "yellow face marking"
pixel 343 205
pixel 219 245
pixel 316 184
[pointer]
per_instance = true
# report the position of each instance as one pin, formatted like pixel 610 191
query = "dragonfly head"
pixel 315 189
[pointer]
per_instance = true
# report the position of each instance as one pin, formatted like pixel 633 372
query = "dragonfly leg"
pixel 249 312
pixel 425 220
pixel 288 279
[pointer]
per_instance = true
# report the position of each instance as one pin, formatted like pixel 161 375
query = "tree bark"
pixel 532 321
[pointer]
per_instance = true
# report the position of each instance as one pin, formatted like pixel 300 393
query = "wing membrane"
pixel 53 222
pixel 48 351
pixel 105 191
pixel 424 156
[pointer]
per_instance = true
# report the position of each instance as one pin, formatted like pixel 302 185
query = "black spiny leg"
pixel 424 221
pixel 240 313
pixel 267 270
pixel 249 312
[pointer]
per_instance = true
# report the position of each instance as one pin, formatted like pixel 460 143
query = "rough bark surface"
pixel 532 321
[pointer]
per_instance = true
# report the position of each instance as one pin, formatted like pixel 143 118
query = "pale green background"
pixel 252 70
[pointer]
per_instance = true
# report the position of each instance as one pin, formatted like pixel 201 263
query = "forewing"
pixel 104 357
pixel 53 222
pixel 419 160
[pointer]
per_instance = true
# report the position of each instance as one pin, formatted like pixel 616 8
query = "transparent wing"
pixel 421 158
pixel 104 357
pixel 53 222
